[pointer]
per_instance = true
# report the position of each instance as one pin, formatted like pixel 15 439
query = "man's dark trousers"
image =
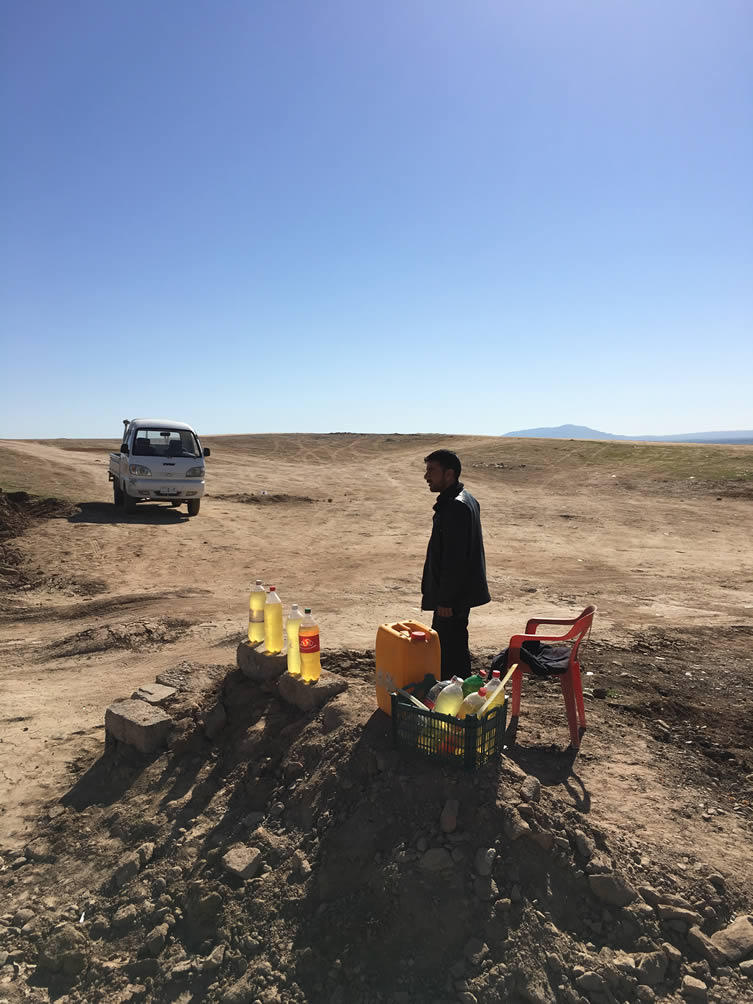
pixel 453 641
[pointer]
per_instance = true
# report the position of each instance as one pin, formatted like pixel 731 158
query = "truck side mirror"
pixel 207 451
pixel 124 448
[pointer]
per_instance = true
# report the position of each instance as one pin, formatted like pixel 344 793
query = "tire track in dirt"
pixel 98 608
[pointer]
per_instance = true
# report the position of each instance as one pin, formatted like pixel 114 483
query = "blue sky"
pixel 396 216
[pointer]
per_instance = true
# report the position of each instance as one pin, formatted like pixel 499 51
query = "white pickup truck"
pixel 158 461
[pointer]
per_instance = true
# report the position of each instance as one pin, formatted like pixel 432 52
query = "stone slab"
pixel 153 693
pixel 259 665
pixel 138 724
pixel 308 696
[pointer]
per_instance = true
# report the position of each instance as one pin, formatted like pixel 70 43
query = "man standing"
pixel 454 578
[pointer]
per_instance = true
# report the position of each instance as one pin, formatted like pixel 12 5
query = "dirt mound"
pixel 263 498
pixel 18 510
pixel 278 856
pixel 137 636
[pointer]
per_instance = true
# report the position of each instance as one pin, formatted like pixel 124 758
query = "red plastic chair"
pixel 572 689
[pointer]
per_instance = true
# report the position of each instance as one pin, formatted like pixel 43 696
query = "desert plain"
pixel 97 603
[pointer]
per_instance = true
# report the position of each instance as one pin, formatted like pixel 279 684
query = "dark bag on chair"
pixel 542 660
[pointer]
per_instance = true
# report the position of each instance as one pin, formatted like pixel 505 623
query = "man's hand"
pixel 444 611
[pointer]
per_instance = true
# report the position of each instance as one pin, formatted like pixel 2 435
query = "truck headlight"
pixel 139 470
pixel 195 472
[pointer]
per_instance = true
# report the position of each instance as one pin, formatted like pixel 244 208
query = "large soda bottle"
pixel 308 639
pixel 256 602
pixel 436 690
pixel 449 700
pixel 294 652
pixel 273 621
pixel 473 703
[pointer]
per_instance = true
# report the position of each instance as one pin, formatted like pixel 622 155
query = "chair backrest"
pixel 580 629
pixel 141 447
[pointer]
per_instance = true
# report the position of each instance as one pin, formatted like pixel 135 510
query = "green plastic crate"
pixel 470 742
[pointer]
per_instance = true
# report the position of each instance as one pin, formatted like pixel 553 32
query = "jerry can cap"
pixel 418 636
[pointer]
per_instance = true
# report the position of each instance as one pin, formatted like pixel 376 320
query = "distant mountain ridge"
pixel 737 437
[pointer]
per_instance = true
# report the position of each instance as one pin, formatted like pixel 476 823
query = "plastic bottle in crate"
pixel 450 699
pixel 472 683
pixel 492 684
pixel 495 696
pixel 449 737
pixel 436 690
pixel 473 703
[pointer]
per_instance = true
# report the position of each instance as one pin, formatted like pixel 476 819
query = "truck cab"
pixel 158 461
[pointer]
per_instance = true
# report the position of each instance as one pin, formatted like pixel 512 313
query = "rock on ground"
pixel 736 941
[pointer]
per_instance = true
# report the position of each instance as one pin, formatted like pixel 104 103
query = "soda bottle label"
pixel 256 616
pixel 308 643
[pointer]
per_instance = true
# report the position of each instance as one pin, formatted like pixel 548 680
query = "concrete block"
pixel 259 665
pixel 138 724
pixel 153 693
pixel 308 696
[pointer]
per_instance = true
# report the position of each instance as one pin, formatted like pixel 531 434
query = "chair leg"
pixel 572 719
pixel 517 686
pixel 578 690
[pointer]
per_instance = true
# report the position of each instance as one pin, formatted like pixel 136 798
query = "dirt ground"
pixel 94 603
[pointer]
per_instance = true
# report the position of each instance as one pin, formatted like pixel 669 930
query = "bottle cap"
pixel 482 691
pixel 272 589
pixel 496 674
pixel 258 582
pixel 307 610
pixel 418 636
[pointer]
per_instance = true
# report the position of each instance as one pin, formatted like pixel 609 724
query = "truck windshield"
pixel 165 443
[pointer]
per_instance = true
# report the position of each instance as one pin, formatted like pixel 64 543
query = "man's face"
pixel 437 478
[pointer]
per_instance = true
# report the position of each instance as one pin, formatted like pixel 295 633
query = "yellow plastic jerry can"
pixel 405 653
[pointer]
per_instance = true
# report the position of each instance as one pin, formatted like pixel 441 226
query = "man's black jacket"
pixel 455 567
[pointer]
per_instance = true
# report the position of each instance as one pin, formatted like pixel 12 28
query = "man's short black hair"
pixel 446 459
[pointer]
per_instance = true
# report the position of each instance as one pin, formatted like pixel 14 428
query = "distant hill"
pixel 738 437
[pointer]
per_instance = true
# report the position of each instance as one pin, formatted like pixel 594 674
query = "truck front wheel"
pixel 193 507
pixel 117 494
pixel 129 503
